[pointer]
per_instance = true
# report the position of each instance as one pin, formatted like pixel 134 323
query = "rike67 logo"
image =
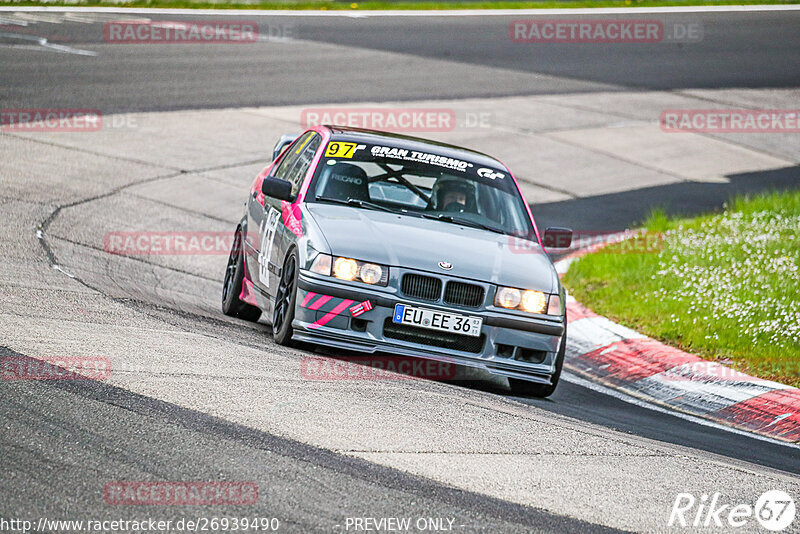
pixel 774 510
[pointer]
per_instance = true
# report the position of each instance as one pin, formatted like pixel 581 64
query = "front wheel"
pixel 532 389
pixel 232 285
pixel 285 300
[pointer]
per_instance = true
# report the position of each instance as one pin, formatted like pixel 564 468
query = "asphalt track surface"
pixel 431 58
pixel 92 425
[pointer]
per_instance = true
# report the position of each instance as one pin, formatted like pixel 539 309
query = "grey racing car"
pixel 375 242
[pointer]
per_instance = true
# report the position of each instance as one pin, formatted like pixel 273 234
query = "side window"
pixel 291 156
pixel 302 163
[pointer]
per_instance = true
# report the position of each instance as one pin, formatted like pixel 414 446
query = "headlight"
pixel 534 302
pixel 350 269
pixel 345 268
pixel 508 297
pixel 517 299
pixel 370 273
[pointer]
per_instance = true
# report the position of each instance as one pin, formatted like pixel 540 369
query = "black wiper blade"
pixel 463 222
pixel 475 224
pixel 359 203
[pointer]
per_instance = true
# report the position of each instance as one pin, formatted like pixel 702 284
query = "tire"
pixel 532 389
pixel 231 285
pixel 285 301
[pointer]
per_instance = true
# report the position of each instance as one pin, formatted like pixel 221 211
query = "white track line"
pixel 588 384
pixel 84 18
pixel 46 17
pixel 43 44
pixel 421 13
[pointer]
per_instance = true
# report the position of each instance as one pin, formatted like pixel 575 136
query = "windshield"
pixel 423 184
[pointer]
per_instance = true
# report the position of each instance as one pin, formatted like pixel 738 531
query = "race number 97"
pixel 340 150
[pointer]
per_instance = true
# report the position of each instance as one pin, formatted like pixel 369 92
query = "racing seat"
pixel 345 181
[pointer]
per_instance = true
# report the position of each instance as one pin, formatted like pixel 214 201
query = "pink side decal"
pixel 292 218
pixel 247 294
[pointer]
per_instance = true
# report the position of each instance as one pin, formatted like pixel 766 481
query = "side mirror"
pixel 555 237
pixel 281 144
pixel 277 188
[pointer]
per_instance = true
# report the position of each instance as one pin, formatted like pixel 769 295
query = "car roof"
pixel 375 137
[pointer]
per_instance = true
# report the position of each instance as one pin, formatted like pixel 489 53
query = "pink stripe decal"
pixel 310 295
pixel 317 304
pixel 325 319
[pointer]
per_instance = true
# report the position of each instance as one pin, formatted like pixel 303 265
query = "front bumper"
pixel 512 346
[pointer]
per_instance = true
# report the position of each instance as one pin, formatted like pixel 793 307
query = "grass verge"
pixel 724 286
pixel 323 5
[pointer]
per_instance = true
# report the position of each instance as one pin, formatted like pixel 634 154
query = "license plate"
pixel 437 320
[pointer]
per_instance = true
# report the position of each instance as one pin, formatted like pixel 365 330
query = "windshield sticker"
pixel 338 149
pixel 303 144
pixel 420 157
pixel 491 174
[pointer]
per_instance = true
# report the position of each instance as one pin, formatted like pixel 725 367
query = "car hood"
pixel 417 243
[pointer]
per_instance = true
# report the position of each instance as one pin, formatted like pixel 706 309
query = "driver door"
pixel 273 237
